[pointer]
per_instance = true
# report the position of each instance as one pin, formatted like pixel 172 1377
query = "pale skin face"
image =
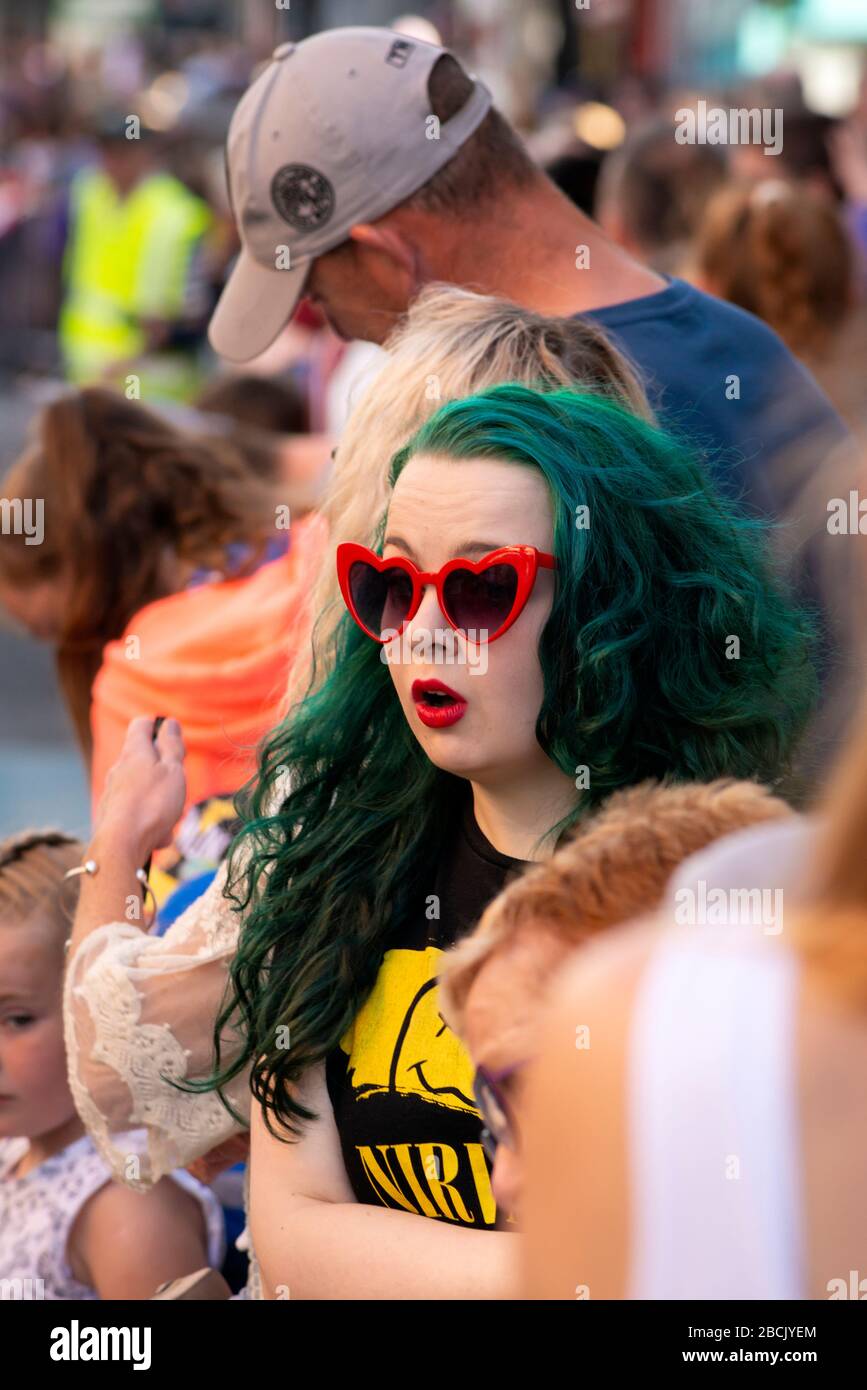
pixel 35 1100
pixel 442 509
pixel 499 1025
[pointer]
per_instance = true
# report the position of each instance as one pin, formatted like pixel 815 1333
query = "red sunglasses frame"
pixel 526 560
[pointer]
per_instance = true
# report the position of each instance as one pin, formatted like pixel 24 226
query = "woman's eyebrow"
pixel 466 549
pixel 401 543
pixel 480 547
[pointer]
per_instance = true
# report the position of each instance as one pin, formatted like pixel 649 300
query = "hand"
pixel 210 1165
pixel 145 790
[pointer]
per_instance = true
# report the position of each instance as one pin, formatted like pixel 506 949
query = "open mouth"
pixel 438 698
pixel 437 705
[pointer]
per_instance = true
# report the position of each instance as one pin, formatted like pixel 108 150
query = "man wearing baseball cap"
pixel 364 164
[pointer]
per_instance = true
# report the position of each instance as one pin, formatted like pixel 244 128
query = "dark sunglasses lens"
pixel 481 602
pixel 382 598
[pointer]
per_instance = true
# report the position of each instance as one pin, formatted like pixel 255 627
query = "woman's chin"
pixel 452 753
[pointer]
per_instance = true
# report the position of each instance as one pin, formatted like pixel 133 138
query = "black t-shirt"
pixel 401 1081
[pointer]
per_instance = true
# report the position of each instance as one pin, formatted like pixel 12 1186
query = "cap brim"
pixel 256 303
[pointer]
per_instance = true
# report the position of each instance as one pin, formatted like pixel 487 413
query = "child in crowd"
pixel 67 1231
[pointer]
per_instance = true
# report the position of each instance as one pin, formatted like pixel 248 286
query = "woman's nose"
pixel 430 616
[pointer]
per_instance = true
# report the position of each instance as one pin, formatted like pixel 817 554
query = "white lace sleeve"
pixel 139 1010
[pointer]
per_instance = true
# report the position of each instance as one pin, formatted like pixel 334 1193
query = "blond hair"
pixel 33 866
pixel 614 867
pixel 451 344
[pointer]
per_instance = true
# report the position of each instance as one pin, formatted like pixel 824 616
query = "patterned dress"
pixel 39 1209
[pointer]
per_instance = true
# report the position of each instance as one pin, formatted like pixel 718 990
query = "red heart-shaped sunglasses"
pixel 485 596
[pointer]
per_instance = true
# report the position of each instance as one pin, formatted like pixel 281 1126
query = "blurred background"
pixel 592 86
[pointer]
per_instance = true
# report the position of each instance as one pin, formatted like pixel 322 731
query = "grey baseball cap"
pixel 337 130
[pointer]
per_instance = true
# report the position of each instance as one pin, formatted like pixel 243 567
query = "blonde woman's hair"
pixel 33 866
pixel 451 344
pixel 614 867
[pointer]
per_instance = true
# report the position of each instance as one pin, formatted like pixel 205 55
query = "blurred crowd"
pixel 149 113
pixel 290 834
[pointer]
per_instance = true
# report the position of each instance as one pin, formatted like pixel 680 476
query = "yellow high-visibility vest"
pixel 126 259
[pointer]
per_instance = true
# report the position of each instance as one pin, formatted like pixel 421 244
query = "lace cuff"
pixel 139 1012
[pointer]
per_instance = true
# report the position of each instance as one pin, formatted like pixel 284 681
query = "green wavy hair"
pixel 641 681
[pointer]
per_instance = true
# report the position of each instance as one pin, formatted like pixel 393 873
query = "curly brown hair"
pixel 781 251
pixel 121 489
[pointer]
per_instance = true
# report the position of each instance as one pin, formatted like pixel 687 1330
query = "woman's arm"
pixel 140 1007
pixel 314 1241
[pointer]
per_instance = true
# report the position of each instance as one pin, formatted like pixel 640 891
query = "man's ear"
pixel 379 236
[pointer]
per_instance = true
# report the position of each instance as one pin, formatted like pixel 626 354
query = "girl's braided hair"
pixel 33 865
pixel 18 845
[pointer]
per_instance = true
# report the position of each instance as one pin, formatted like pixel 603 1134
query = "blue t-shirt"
pixel 760 434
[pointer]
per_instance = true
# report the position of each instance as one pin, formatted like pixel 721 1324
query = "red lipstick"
pixel 437 705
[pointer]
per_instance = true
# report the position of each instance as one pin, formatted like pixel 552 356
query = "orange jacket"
pixel 216 657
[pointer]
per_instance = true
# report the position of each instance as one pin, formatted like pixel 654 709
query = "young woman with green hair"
pixel 633 633
pixel 127 990
pixel 635 674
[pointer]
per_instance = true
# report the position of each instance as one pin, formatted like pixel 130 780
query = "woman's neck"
pixel 514 815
